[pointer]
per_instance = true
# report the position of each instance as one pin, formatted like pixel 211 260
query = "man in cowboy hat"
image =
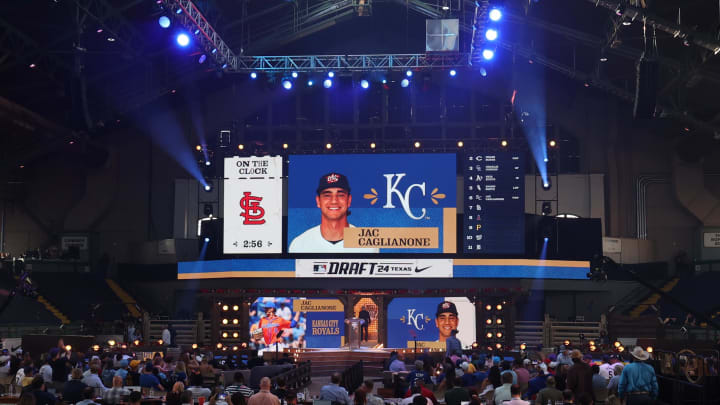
pixel 638 384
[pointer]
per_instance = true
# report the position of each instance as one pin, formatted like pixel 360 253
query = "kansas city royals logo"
pixel 417 321
pixel 252 211
pixel 393 190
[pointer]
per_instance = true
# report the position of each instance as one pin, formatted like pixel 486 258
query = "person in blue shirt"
pixel 333 392
pixel 638 383
pixel 418 374
pixel 149 380
pixel 396 362
pixel 452 345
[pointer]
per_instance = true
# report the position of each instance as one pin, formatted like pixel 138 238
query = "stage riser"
pixel 325 363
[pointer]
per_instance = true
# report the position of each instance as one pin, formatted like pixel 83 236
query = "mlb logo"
pixel 319 268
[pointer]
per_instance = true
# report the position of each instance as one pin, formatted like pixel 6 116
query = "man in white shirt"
pixel 46 372
pixel 94 381
pixel 515 400
pixel 504 392
pixel 334 199
pixel 166 336
pixel 607 367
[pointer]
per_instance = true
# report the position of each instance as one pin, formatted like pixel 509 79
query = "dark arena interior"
pixel 351 202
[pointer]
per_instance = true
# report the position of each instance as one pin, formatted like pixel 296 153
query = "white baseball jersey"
pixel 312 241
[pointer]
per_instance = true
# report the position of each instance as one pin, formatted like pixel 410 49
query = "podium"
pixel 354 332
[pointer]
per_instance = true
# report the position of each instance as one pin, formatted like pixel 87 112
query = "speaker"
pixel 646 82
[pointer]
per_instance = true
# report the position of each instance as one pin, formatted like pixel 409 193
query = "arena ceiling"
pixel 69 68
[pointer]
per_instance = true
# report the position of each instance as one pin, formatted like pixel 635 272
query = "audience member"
pixel 237 399
pixel 280 390
pixel 507 369
pixel 615 380
pixel 515 393
pixel 334 392
pixel 503 393
pixel 42 397
pixel 396 362
pixel 26 399
pixel 264 397
pixel 523 376
pixel 371 399
pixel 115 395
pixel 549 393
pixel 599 385
pixel 415 391
pixel 579 376
pixel 93 380
pixel 88 396
pixel 73 390
pixel 149 380
pixel 418 374
pixel 638 384
pixel 238 385
pixel 359 398
pixel 455 395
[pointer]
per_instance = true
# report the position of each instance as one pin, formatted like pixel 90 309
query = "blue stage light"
pixel 491 34
pixel 207 240
pixel 495 14
pixel 331 74
pixel 287 84
pixel 208 187
pixel 183 39
pixel 408 73
pixel 546 239
pixel 294 75
pixel 310 83
pixel 483 72
pixel 364 84
pixel 488 54
pixel 164 21
pixel 453 72
pixel 178 11
pixel 253 75
pixel 384 81
pixel 208 163
pixel 405 83
pixel 327 83
pixel 202 58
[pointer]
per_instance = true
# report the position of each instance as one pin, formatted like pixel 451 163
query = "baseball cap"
pixel 332 180
pixel 446 306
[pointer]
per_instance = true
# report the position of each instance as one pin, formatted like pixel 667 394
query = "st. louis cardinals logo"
pixel 252 211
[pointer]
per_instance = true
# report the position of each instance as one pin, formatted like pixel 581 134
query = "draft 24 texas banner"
pixel 400 203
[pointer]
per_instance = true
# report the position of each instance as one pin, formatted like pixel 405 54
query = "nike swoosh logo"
pixel 423 269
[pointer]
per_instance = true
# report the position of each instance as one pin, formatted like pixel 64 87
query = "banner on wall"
pixel 252 205
pixel 374 268
pixel 388 203
pixel 429 321
pixel 325 322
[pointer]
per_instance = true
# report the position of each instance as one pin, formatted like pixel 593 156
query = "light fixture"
pixel 287 84
pixel 225 307
pixel 136 342
pixel 498 346
pixel 198 148
pixel 488 54
pixel 453 72
pixel 603 59
pixel 504 143
pixel 552 143
pixel 627 22
pixel 160 342
pixel 491 34
pixel 617 344
pixel 294 75
pixel 460 144
pixel 224 335
pixel 649 349
pixel 235 321
pixel 235 348
pixel 408 73
pixel 328 146
pixel 111 342
pixel 164 21
pixel 208 186
pixel 235 307
pixel 364 84
pixel 566 342
pixel 241 147
pixel 331 74
pixel 224 321
pixel 253 75
pixel 498 321
pixel 523 346
pixel 96 348
pixel 285 146
pixel 404 83
pixel 495 14
pixel 68 348
pixel 236 335
pixel 592 343
pixel 194 346
pixel 372 145
pixel 498 307
pixel 310 83
pixel 488 321
pixel 111 39
pixel 488 307
pixel 207 239
pixel 593 348
pixel 219 345
pixel 489 335
pixel 244 345
pixel 327 83
pixel 183 39
pixel 416 144
pixel 499 335
pixel 621 349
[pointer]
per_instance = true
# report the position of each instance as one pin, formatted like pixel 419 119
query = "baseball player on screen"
pixel 334 199
pixel 271 324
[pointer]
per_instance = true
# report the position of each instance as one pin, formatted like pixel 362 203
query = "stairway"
pixel 125 298
pixel 53 309
pixel 653 298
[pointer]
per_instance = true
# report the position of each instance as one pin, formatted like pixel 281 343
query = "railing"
pixel 552 333
pixel 352 377
pixel 188 331
pixel 529 332
pixel 571 331
pixel 297 377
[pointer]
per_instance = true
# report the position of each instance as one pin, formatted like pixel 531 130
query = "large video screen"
pixel 399 203
pixel 430 321
pixel 292 322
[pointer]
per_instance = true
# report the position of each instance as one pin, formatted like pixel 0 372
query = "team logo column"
pixel 253 205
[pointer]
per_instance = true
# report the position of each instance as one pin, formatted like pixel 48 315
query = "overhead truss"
pixel 351 63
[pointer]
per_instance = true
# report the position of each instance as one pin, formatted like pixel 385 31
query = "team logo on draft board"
pixel 392 183
pixel 252 211
pixel 418 321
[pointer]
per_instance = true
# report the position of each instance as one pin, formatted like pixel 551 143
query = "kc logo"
pixel 418 321
pixel 392 184
pixel 252 211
